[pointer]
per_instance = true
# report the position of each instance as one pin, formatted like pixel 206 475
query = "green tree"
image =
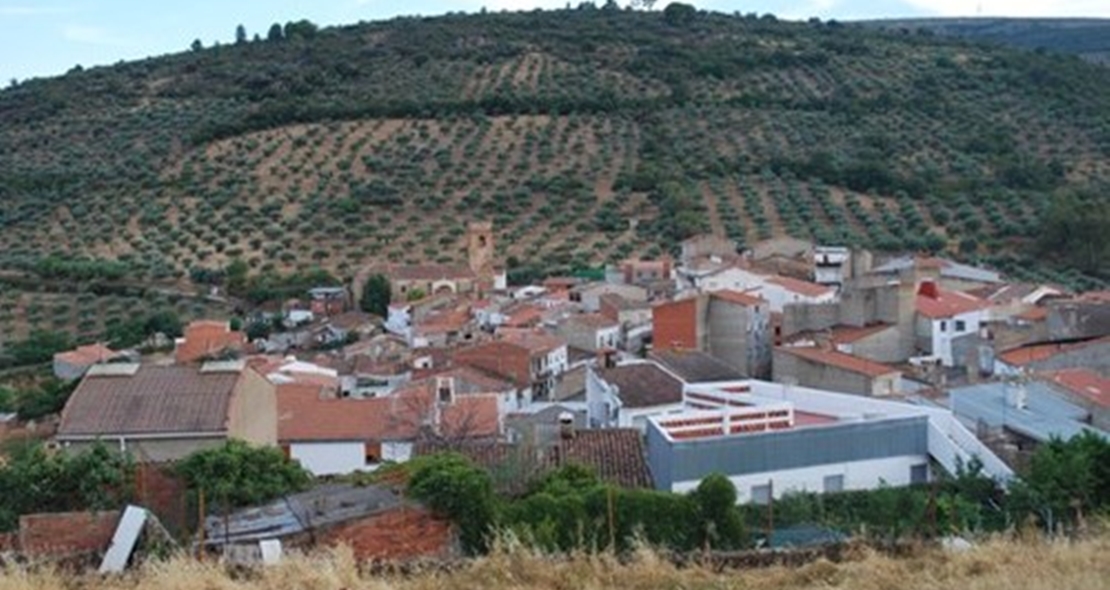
pixel 721 525
pixel 678 14
pixel 238 474
pixel 44 400
pixel 275 33
pixel 235 273
pixel 454 488
pixel 376 295
pixel 416 295
pixel 39 347
pixel 196 45
pixel 302 29
pixel 1076 230
pixel 240 34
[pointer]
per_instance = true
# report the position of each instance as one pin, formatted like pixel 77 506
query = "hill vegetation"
pixel 1088 38
pixel 587 135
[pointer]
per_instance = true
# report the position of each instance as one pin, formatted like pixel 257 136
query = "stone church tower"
pixel 479 248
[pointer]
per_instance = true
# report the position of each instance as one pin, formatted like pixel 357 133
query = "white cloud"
pixel 93 35
pixel 1026 8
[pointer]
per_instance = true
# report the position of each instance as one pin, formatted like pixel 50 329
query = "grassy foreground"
pixel 998 564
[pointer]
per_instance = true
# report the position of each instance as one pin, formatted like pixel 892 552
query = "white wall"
pixel 942 338
pixel 858 475
pixel 330 458
pixel 638 418
pixel 398 452
pixel 777 296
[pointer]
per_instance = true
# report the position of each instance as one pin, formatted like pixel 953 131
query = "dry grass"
pixel 1000 564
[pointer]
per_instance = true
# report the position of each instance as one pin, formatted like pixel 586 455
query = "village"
pixel 787 367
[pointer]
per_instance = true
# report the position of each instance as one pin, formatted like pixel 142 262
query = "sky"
pixel 48 37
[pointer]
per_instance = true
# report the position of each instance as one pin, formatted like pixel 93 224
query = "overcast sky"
pixel 47 37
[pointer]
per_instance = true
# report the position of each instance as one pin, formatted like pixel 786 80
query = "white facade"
pixel 399 321
pixel 832 477
pixel 343 457
pixel 604 408
pixel 608 337
pixel 760 285
pixel 942 331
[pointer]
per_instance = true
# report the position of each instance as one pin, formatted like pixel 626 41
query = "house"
pixel 1031 413
pixel 290 369
pixel 376 378
pixel 205 339
pixel 948 324
pixel 949 275
pixel 590 331
pixel 445 328
pixel 771 439
pixel 72 364
pixel 165 413
pixel 374 522
pixel 331 435
pixel 1083 316
pixel 692 366
pixel 876 342
pixel 705 246
pixel 813 366
pixel 328 301
pixel 590 294
pixel 634 318
pixel 624 396
pixel 408 281
pixel 777 290
pixel 644 273
pixel 1088 353
pixel 732 326
pixel 547 358
pixel 350 325
pixel 832 265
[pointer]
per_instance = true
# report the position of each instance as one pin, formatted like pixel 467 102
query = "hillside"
pixel 1088 38
pixel 586 135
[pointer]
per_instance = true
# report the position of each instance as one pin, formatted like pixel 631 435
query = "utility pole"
pixel 200 521
pixel 770 510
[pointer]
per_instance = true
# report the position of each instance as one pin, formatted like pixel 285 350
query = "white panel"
pixel 858 475
pixel 330 458
pixel 271 551
pixel 396 451
pixel 124 539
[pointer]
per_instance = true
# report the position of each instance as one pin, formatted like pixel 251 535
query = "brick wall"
pixel 159 490
pixel 403 533
pixel 675 325
pixel 7 542
pixel 66 533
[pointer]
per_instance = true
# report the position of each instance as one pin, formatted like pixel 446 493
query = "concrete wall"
pixel 330 458
pixel 881 347
pixel 1093 356
pixel 253 413
pixel 740 336
pixel 68 371
pixel 1076 319
pixel 821 376
pixel 856 475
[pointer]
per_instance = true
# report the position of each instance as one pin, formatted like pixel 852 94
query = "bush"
pixel 237 474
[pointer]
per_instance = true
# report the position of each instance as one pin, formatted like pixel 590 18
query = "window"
pixel 943 326
pixel 961 326
pixel 919 473
pixel 373 453
pixel 761 494
pixel 834 483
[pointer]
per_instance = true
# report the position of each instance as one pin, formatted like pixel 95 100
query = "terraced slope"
pixel 586 135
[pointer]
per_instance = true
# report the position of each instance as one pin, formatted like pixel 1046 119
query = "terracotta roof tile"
pixel 738 297
pixel 86 355
pixel 948 304
pixel 849 334
pixel 1084 383
pixel 206 337
pixel 534 342
pixel 1024 355
pixel 155 400
pixel 840 360
pixel 801 287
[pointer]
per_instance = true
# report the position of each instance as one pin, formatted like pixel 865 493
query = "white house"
pixel 946 317
pixel 777 290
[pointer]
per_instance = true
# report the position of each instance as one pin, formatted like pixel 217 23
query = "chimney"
pixel 566 425
pixel 1017 396
pixel 606 358
pixel 928 289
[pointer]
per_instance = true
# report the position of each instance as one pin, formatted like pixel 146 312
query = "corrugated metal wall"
pixel 739 455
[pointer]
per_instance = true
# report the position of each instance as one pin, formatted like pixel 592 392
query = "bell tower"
pixel 479 247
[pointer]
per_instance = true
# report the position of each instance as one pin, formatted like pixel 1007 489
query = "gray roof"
pixel 1046 414
pixel 643 385
pixel 314 509
pixel 950 269
pixel 693 366
pixel 151 400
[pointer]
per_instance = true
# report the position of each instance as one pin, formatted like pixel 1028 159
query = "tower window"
pixel 482 241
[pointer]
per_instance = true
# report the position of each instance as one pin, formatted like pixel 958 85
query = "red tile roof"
pixel 86 355
pixel 304 414
pixel 800 287
pixel 534 342
pixel 946 304
pixel 643 385
pixel 205 337
pixel 738 297
pixel 849 334
pixel 1024 355
pixel 840 360
pixel 1084 383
